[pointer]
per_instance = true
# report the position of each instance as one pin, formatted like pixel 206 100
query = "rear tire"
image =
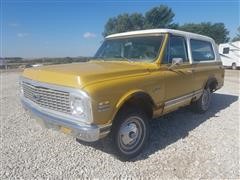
pixel 203 103
pixel 130 133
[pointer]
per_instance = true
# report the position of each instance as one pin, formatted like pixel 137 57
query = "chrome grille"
pixel 47 98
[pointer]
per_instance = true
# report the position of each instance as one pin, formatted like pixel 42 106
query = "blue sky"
pixel 45 28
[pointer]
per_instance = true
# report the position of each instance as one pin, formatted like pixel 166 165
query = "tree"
pixel 237 37
pixel 217 31
pixel 137 21
pixel 123 23
pixel 162 17
pixel 157 17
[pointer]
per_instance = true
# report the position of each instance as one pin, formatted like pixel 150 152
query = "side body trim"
pixel 182 99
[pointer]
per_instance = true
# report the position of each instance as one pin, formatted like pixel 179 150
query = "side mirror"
pixel 176 62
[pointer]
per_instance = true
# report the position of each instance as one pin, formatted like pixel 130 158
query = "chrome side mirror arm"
pixel 175 62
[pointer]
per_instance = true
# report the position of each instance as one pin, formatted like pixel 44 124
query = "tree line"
pixel 163 17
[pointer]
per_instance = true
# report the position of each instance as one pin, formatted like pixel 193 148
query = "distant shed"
pixel 3 63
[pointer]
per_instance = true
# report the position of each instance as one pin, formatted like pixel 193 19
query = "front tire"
pixel 203 103
pixel 130 133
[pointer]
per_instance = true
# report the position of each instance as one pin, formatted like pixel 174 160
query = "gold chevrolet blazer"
pixel 134 77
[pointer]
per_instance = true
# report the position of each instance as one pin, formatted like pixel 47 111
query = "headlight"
pixel 81 107
pixel 77 106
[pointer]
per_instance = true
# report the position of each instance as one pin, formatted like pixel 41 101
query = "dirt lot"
pixel 182 144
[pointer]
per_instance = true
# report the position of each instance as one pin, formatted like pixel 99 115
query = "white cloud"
pixel 13 24
pixel 89 35
pixel 21 35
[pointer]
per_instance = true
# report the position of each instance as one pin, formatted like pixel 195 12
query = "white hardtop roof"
pixel 159 31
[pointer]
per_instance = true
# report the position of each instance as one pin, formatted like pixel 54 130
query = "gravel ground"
pixel 182 144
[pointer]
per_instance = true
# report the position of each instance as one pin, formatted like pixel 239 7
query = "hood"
pixel 82 74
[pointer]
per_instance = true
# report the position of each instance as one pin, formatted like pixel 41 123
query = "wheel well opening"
pixel 212 85
pixel 141 101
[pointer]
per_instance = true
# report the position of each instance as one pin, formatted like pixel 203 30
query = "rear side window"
pixel 201 50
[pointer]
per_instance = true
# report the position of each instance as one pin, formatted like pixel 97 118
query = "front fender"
pixel 128 96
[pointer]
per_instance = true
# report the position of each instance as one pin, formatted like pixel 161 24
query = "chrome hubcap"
pixel 131 134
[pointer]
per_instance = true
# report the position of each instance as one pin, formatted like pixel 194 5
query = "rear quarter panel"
pixel 205 70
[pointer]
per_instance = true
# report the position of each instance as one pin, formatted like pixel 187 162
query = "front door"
pixel 179 77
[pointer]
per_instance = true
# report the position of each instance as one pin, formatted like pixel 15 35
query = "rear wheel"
pixel 203 103
pixel 234 66
pixel 130 133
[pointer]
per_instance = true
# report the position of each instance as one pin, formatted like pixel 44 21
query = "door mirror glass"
pixel 177 61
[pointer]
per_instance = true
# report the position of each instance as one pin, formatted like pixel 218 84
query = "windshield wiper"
pixel 98 58
pixel 118 57
pixel 123 57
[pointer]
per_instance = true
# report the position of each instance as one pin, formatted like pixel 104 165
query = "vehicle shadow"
pixel 171 127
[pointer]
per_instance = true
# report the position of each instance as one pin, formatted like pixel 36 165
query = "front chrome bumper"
pixel 84 132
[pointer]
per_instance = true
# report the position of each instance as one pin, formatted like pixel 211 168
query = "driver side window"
pixel 176 48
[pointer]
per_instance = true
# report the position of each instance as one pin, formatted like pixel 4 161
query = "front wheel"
pixel 203 103
pixel 130 133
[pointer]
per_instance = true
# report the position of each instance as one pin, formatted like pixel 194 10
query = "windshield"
pixel 130 48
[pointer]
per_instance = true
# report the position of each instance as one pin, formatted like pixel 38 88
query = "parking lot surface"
pixel 182 144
